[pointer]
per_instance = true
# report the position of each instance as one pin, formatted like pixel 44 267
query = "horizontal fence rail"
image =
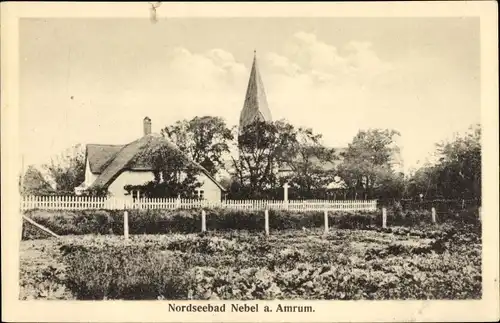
pixel 96 203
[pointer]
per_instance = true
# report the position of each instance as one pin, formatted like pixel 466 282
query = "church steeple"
pixel 255 106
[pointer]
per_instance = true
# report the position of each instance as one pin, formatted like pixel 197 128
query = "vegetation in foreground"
pixel 423 262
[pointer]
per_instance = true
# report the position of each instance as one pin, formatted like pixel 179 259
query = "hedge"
pixel 147 221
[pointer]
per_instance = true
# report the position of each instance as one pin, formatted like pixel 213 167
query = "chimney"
pixel 147 126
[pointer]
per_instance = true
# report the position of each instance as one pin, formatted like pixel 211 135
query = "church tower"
pixel 255 106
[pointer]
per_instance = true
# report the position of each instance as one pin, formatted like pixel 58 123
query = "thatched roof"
pixel 99 155
pixel 109 161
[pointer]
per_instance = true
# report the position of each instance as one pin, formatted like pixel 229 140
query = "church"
pixel 256 107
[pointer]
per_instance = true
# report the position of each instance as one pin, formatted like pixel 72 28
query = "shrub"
pixel 295 220
pixel 224 219
pixel 150 221
pixel 161 221
pixel 356 220
pixel 73 222
pixel 30 232
pixel 467 216
pixel 123 272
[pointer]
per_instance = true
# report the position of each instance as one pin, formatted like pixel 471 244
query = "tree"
pixel 174 174
pixel 263 148
pixel 67 170
pixel 366 166
pixel 457 172
pixel 424 181
pixel 205 140
pixel 234 189
pixel 33 183
pixel 459 167
pixel 311 164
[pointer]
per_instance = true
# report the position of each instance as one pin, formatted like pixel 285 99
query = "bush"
pixel 419 217
pixel 409 217
pixel 123 272
pixel 148 221
pixel 31 232
pixel 71 222
pixel 224 219
pixel 467 216
pixel 357 220
pixel 160 221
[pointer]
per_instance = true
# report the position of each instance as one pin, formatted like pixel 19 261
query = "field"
pixel 425 261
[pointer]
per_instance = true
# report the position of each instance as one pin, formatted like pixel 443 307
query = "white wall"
pixel 211 190
pixel 128 178
pixel 89 177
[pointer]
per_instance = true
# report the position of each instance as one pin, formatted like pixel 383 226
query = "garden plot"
pixel 444 263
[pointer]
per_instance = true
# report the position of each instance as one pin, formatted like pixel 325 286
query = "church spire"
pixel 255 106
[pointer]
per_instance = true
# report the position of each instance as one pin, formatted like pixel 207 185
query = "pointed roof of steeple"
pixel 255 105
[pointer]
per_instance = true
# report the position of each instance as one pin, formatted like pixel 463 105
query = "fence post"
pixel 285 194
pixel 266 218
pixel 384 218
pixel 326 222
pixel 125 224
pixel 21 226
pixel 433 211
pixel 203 221
pixel 480 214
pixel 463 204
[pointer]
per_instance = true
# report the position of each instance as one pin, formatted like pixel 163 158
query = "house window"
pixel 201 194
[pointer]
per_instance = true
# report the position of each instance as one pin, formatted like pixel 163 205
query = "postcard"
pixel 250 162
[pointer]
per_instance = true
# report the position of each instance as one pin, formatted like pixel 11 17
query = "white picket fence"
pixel 96 203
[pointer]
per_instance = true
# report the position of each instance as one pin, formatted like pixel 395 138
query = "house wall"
pixel 89 177
pixel 211 190
pixel 129 178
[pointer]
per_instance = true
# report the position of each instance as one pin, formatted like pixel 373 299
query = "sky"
pixel 94 80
